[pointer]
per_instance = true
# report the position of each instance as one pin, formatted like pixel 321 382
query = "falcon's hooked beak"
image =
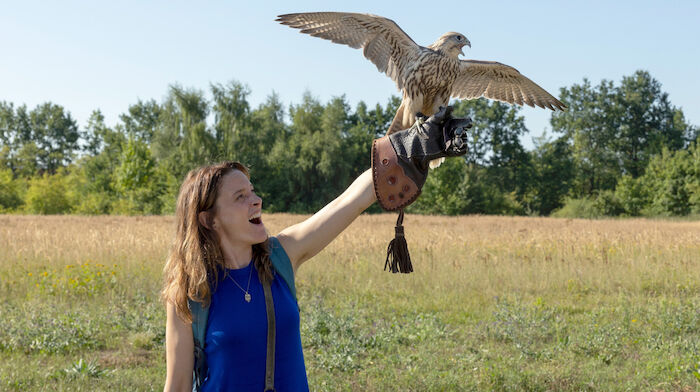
pixel 467 43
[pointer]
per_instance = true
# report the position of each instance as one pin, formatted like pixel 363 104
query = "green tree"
pixel 56 136
pixel 25 163
pixel 142 119
pixel 235 137
pixel 92 184
pixel 335 160
pixel 84 196
pixel 136 166
pixel 47 194
pixel 669 186
pixel 267 170
pixel 615 130
pixel 10 192
pixel 15 132
pixel 494 148
pixel 458 187
pixel 182 141
pixel 138 187
pixel 365 126
pixel 646 122
pixel 313 153
pixel 552 177
pixel 95 133
pixel 671 178
pixel 633 196
pixel 443 192
pixel 586 126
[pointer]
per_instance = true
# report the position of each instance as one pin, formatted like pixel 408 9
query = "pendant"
pixel 247 297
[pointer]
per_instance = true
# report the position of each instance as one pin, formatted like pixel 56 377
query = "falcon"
pixel 426 76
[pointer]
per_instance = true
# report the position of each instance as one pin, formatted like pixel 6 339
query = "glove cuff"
pixel 394 189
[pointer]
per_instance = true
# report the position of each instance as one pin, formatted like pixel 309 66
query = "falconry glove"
pixel 400 164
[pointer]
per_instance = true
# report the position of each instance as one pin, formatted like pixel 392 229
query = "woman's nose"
pixel 257 200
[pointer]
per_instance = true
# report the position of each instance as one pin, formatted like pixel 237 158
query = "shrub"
pixel 94 204
pixel 608 203
pixel 632 195
pixel 10 198
pixel 578 208
pixel 47 195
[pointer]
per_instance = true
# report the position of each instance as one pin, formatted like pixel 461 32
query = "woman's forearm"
pixel 304 240
pixel 359 195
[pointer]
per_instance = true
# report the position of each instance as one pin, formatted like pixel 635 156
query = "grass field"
pixel 496 303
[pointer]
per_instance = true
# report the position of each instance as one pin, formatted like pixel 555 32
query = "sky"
pixel 87 55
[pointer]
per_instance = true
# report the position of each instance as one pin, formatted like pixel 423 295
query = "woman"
pixel 220 257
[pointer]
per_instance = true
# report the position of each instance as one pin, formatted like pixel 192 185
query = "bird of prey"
pixel 427 76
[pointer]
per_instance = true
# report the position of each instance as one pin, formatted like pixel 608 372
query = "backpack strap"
pixel 200 314
pixel 271 339
pixel 282 264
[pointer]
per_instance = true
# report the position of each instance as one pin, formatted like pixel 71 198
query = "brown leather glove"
pixel 400 161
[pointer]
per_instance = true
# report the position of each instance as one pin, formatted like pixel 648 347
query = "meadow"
pixel 495 303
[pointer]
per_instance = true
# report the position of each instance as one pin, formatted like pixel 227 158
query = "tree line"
pixel 620 149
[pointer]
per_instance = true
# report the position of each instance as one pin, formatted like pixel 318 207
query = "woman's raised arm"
pixel 305 239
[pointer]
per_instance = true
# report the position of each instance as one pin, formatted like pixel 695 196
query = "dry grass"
pixel 470 260
pixel 490 256
pixel 59 240
pixel 489 293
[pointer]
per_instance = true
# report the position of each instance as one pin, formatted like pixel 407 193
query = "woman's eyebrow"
pixel 241 190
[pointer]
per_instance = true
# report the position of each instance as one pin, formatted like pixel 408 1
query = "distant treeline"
pixel 619 150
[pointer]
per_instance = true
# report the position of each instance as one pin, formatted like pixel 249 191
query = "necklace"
pixel 247 294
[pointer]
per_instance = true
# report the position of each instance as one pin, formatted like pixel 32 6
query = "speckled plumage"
pixel 427 76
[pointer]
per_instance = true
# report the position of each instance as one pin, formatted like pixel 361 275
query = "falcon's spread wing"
pixel 500 82
pixel 383 42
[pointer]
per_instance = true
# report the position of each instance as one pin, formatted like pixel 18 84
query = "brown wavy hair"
pixel 195 259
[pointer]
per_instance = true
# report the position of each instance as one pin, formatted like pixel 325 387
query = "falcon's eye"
pixel 459 38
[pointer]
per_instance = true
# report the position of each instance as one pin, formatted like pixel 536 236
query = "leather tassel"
pixel 397 257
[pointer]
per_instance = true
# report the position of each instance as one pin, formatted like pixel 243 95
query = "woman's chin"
pixel 261 232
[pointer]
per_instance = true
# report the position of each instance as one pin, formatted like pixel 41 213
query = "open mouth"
pixel 255 221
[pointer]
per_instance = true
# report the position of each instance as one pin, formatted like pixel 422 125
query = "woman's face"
pixel 238 211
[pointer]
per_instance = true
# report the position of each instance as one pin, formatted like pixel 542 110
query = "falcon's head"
pixel 451 44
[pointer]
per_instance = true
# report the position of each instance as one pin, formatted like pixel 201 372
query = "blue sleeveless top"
pixel 236 336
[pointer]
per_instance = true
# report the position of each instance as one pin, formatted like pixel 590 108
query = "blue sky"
pixel 87 55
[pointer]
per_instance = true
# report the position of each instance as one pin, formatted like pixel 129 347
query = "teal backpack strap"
pixel 200 315
pixel 282 264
